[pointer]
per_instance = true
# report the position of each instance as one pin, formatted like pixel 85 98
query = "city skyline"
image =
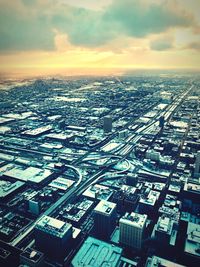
pixel 46 37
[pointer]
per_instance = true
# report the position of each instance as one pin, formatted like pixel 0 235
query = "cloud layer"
pixel 32 25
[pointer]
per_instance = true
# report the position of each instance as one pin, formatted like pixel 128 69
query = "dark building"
pixel 104 218
pixel 126 199
pixel 107 124
pixel 162 121
pixel 53 236
pixel 9 255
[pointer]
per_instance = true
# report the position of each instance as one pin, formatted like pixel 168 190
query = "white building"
pixel 132 227
pixel 153 155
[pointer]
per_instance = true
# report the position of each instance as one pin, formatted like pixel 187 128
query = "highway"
pixel 81 185
pixel 132 140
pixel 69 194
pixel 76 190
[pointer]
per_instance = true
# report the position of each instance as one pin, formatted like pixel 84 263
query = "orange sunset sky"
pixel 98 36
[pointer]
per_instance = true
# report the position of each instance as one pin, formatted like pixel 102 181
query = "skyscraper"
pixel 131 228
pixel 163 229
pixel 52 236
pixel 162 121
pixel 104 218
pixel 197 164
pixel 107 124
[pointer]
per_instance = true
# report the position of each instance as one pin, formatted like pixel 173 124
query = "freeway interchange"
pixel 122 155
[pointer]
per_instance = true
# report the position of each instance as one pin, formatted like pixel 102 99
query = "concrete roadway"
pixel 77 190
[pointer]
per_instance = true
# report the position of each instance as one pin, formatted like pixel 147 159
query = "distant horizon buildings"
pixel 144 174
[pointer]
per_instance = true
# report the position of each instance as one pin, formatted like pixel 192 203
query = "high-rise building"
pixel 148 202
pixel 126 198
pixel 34 207
pixel 162 121
pixel 153 155
pixel 163 229
pixel 132 228
pixel 197 165
pixel 52 236
pixel 104 218
pixel 107 124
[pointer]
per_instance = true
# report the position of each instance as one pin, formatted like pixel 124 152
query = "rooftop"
pixel 134 219
pixel 61 183
pixel 33 255
pixel 6 187
pixel 164 224
pixel 157 261
pixel 31 174
pixel 192 187
pixel 128 189
pixel 53 226
pixel 175 188
pixel 105 207
pixel 94 251
pixel 59 136
pixel 98 191
pixel 151 198
pixel 192 243
pixel 38 131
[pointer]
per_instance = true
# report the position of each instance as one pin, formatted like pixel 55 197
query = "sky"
pixel 75 37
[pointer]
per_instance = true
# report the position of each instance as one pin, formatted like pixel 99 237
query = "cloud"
pixel 140 18
pixel 129 18
pixel 22 29
pixel 161 44
pixel 29 2
pixel 33 26
pixel 88 4
pixel 193 46
pixel 83 27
